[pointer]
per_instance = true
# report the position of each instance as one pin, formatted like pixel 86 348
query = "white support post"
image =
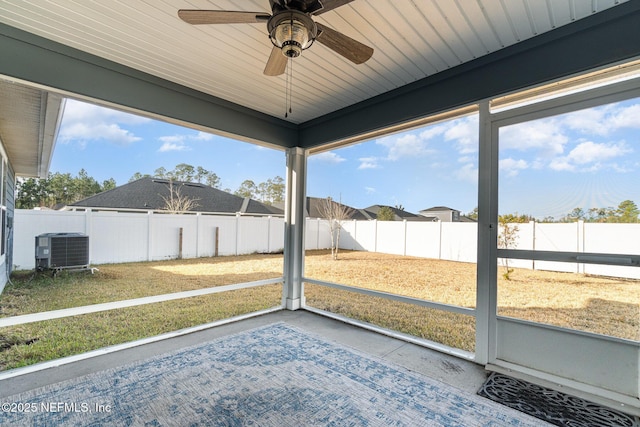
pixel 294 228
pixel 487 267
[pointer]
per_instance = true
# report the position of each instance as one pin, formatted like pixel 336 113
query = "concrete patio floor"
pixel 451 370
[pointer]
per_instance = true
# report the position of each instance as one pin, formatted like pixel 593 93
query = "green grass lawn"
pixel 603 305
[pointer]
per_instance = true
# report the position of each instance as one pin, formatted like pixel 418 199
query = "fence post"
pixel 198 216
pixel 237 232
pixel 355 234
pixel 180 233
pixel 375 235
pixel 269 234
pixel 88 220
pixel 439 239
pixel 216 237
pixel 149 235
pixel 580 241
pixel 404 244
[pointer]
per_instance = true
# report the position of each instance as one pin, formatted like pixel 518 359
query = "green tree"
pixel 271 191
pixel 473 214
pixel 58 189
pixel 183 172
pixel 212 180
pixel 161 173
pixel 248 188
pixel 385 213
pixel 514 218
pixel 136 176
pixel 31 193
pixel 600 214
pixel 577 214
pixel 627 211
pixel 109 184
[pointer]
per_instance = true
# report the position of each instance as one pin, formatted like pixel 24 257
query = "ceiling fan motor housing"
pixel 292 31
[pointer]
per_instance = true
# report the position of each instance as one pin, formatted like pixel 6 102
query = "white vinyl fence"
pixel 116 237
pixel 128 237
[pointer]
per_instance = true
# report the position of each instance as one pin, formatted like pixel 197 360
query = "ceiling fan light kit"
pixel 292 32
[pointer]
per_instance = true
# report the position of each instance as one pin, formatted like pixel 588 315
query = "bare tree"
pixel 177 202
pixel 336 214
pixel 507 239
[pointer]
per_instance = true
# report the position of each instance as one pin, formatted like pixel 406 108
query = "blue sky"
pixel 548 167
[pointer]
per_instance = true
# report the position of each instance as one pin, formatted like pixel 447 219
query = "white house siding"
pixel 8 200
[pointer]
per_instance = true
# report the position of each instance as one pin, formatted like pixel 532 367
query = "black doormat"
pixel 552 406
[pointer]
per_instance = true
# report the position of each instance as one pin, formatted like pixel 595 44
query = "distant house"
pixel 150 194
pixel 400 214
pixel 444 214
pixel 314 209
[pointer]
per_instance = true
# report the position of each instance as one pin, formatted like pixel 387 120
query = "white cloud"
pixel 512 167
pixel 589 152
pixel 605 120
pixel 369 190
pixel 466 159
pixel 589 156
pixel 172 139
pixel 83 132
pixel 468 173
pixel 433 131
pixel 202 136
pixel 179 142
pixel 328 157
pixel 561 164
pixel 84 122
pixel 405 145
pixel 545 137
pixel 173 146
pixel 464 132
pixel 368 163
pixel 590 121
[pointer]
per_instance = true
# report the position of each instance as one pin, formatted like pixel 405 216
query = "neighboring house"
pixel 400 214
pixel 314 209
pixel 445 214
pixel 151 194
pixel 29 122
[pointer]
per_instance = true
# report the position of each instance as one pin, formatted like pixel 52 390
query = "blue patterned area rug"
pixel 275 375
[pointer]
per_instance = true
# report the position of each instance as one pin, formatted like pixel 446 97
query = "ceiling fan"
pixel 291 30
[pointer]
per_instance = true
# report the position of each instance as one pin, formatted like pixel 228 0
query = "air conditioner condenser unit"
pixel 57 251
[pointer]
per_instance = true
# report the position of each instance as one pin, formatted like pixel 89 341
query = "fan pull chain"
pixel 288 89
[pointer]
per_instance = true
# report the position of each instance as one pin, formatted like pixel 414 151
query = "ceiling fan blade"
pixel 344 45
pixel 276 64
pixel 198 17
pixel 328 5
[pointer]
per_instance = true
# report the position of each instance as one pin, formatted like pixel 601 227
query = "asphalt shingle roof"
pixel 150 194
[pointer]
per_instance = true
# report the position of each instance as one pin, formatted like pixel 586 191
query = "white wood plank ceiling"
pixel 412 40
